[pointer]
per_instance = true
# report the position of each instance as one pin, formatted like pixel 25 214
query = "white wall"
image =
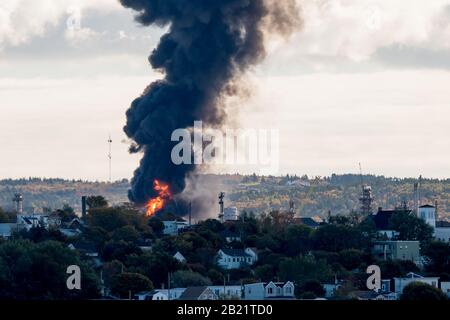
pixel 401 283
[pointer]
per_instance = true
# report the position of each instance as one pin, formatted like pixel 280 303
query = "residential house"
pixel 85 248
pixel 145 245
pixel 173 227
pixel 442 231
pixel 331 288
pixel 230 214
pixel 236 258
pixel 401 250
pixel 198 293
pixel 381 221
pixel 160 294
pixel 271 290
pixel 445 288
pixel 231 236
pixel 401 283
pixel 70 233
pixel 227 292
pixel 365 295
pixel 428 214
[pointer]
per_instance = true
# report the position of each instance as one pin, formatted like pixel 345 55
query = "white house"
pixel 271 290
pixel 401 283
pixel 172 228
pixel 442 234
pixel 331 288
pixel 253 252
pixel 236 258
pixel 227 292
pixel 428 214
pixel 230 214
pixel 160 294
pixel 445 287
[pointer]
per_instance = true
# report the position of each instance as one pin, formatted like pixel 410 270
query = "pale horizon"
pixel 362 82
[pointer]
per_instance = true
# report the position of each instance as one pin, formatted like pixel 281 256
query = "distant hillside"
pixel 312 196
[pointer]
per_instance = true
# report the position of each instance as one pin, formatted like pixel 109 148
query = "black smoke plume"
pixel 210 43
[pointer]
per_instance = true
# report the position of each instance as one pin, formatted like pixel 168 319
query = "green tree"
pixel 40 234
pixel 265 272
pixel 155 266
pixel 110 270
pixel 37 271
pixel 303 268
pixel 126 233
pixel 418 291
pixel 311 286
pixel 185 278
pixel 336 237
pixel 66 214
pixel 125 285
pixel 7 217
pixel 410 226
pixel 157 225
pixel 439 254
pixel 296 240
pixel 96 202
pixel 351 259
pixel 119 250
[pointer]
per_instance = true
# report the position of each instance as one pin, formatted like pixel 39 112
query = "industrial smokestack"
pixel 209 45
pixel 416 198
pixel 18 203
pixel 83 207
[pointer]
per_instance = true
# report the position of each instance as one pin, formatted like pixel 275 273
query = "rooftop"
pixel 235 252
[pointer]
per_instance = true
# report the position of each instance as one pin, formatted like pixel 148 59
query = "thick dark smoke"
pixel 210 43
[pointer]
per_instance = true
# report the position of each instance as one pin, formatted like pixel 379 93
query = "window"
pixel 269 290
pixel 433 283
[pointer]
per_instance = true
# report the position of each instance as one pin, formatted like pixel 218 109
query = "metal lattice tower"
pixel 221 197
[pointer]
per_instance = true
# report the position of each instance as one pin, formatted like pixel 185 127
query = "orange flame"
pixel 164 194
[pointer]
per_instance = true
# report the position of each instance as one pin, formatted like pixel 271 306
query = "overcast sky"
pixel 364 81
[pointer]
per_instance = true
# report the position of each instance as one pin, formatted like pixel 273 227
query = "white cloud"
pixel 21 20
pixel 356 29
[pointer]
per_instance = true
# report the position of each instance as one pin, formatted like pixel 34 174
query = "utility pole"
pixel 110 158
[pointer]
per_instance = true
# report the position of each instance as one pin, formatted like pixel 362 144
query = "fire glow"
pixel 157 203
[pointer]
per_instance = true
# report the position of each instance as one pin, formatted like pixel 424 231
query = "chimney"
pixel 83 207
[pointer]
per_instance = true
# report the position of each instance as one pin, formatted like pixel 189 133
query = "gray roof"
pixel 192 293
pixel 235 252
